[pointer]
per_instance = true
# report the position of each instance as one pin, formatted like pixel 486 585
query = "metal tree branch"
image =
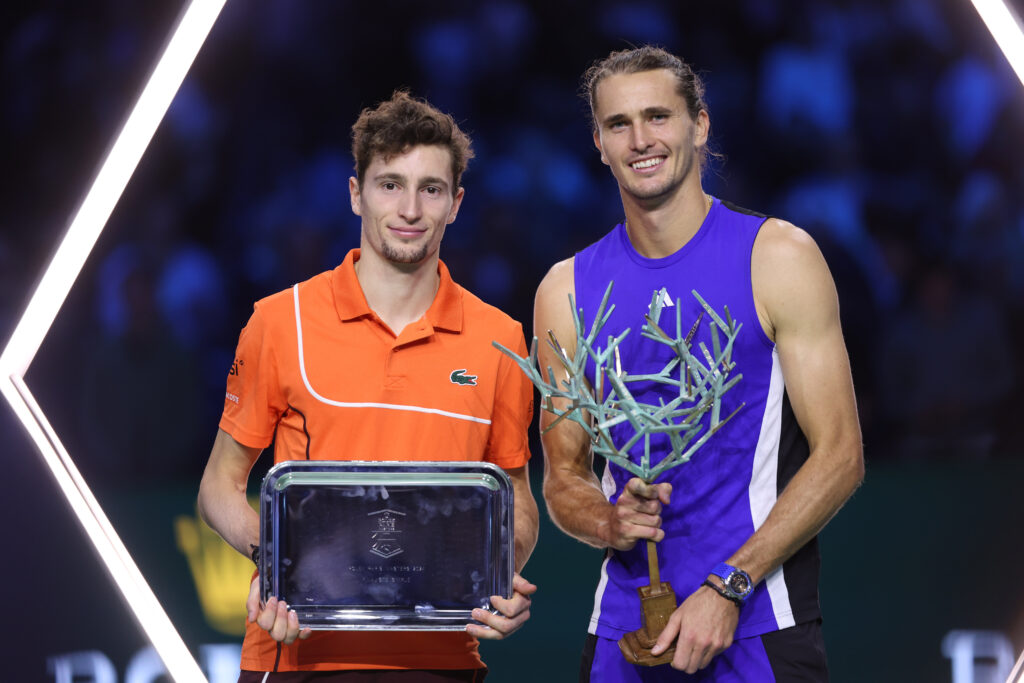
pixel 697 382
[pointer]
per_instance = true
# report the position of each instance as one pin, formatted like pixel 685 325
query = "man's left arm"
pixel 514 611
pixel 797 303
pixel 512 415
pixel 526 516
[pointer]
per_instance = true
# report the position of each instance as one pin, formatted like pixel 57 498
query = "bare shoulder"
pixel 789 275
pixel 559 280
pixel 554 290
pixel 780 243
pixel 551 310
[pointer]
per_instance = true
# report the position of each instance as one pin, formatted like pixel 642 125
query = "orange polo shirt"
pixel 318 373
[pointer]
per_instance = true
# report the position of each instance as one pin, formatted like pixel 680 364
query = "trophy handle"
pixel 652 563
pixel 658 602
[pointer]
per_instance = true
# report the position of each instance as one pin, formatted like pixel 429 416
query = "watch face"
pixel 739 583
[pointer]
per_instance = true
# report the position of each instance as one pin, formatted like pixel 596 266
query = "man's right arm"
pixel 222 499
pixel 224 507
pixel 572 491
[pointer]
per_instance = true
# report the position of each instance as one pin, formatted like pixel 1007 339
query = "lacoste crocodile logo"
pixel 458 377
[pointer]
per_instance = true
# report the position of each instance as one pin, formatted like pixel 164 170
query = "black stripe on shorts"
pixel 797 653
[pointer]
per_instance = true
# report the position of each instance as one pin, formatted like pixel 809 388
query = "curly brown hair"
pixel 396 125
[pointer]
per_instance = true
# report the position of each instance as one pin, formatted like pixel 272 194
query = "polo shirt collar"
pixel 445 311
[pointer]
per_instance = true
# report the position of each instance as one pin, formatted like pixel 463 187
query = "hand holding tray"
pixel 353 545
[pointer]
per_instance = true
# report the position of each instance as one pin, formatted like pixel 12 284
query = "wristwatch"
pixel 737 582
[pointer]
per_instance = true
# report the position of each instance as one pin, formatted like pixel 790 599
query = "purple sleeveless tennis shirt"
pixel 725 492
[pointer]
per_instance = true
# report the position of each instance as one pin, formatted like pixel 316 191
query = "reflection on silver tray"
pixel 386 545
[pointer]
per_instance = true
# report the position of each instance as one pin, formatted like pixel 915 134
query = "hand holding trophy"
pixel 696 384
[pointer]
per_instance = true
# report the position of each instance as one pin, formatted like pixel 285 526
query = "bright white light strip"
pixel 110 182
pixel 60 275
pixel 1006 28
pixel 140 597
pixel 1017 675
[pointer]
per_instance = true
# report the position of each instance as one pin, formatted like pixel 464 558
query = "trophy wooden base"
pixel 658 603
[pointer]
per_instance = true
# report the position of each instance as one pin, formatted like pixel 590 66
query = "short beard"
pixel 402 256
pixel 656 193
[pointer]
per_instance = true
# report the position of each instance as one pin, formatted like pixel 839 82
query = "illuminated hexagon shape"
pixel 187 37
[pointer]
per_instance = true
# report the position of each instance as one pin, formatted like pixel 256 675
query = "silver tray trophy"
pixel 386 545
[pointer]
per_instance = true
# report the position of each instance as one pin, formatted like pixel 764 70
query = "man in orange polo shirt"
pixel 382 358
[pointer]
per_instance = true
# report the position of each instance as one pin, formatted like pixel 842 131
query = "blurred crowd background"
pixel 891 130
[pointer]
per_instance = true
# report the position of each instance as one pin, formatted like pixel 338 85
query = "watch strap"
pixel 721 591
pixel 723 570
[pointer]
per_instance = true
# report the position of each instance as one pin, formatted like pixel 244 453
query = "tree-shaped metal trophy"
pixel 696 386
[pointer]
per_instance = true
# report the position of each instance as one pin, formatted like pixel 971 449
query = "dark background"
pixel 890 130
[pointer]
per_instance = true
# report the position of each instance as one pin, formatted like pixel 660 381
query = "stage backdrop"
pixel 916 554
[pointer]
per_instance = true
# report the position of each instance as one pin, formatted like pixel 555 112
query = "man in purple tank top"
pixel 748 506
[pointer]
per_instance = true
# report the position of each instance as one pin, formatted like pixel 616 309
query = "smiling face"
pixel 405 203
pixel 645 134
